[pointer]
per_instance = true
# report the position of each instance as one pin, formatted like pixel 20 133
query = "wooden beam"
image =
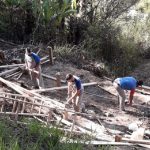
pixel 61 88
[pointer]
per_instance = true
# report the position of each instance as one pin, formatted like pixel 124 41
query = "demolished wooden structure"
pixel 25 102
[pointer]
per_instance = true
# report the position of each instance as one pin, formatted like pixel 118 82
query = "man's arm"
pixel 131 96
pixel 77 93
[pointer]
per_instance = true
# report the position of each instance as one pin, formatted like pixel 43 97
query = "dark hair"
pixel 28 50
pixel 68 76
pixel 139 83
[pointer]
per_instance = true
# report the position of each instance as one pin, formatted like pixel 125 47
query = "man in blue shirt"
pixel 126 83
pixel 75 93
pixel 32 63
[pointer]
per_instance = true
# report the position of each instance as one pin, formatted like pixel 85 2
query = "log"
pixel 9 71
pixel 61 88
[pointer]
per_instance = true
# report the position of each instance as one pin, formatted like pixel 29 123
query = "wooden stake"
pixel 14 105
pixel 17 111
pixel 32 106
pixel 50 55
pixel 3 105
pixel 58 80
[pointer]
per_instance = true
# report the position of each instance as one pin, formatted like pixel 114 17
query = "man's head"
pixel 139 83
pixel 28 51
pixel 69 77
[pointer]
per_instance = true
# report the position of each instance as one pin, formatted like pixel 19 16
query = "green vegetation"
pixel 32 135
pixel 111 32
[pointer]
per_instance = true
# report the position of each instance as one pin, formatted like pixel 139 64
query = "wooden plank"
pixel 13 74
pixel 17 111
pixel 53 78
pixel 14 105
pixel 99 137
pixel 61 88
pixel 147 142
pixel 24 114
pixel 9 71
pixel 94 142
pixel 23 105
pixel 11 66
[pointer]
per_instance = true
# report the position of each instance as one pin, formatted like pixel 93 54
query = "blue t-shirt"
pixel 35 57
pixel 77 82
pixel 128 83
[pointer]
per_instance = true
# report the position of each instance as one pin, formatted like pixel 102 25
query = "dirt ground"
pixel 97 100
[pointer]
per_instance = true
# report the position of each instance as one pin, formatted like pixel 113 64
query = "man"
pixel 126 83
pixel 75 93
pixel 32 63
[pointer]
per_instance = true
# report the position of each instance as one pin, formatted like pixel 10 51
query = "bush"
pixel 106 43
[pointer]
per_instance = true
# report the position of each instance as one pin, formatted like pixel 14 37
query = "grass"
pixel 34 136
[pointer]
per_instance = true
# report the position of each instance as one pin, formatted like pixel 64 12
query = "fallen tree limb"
pixel 61 88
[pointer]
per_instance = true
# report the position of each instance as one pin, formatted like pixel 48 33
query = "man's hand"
pixel 67 105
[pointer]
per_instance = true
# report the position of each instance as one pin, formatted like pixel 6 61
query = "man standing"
pixel 126 83
pixel 32 63
pixel 75 92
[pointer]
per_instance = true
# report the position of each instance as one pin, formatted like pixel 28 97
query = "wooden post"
pixel 14 105
pixel 17 111
pixel 32 106
pixel 3 104
pixel 49 118
pixel 23 105
pixel 50 55
pixel 41 106
pixel 58 80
